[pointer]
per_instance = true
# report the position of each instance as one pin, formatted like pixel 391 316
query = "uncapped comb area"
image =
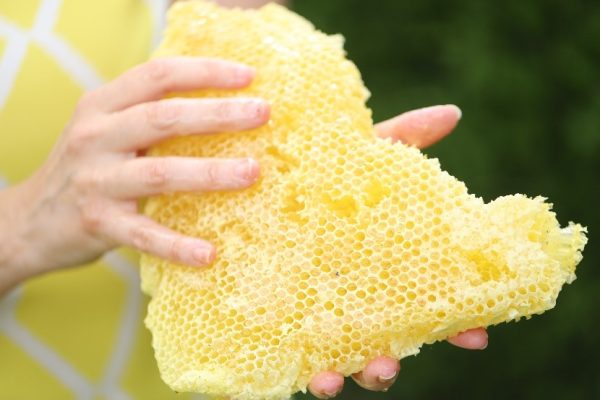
pixel 348 247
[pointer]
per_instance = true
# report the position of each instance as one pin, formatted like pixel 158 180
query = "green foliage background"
pixel 527 77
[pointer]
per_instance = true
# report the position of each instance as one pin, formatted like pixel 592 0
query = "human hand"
pixel 83 200
pixel 421 128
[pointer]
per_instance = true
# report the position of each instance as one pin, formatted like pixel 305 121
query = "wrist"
pixel 16 258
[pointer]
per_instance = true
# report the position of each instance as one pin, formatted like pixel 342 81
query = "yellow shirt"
pixel 78 333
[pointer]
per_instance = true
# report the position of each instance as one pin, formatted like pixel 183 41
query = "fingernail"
pixel 246 170
pixel 331 394
pixel 262 110
pixel 456 109
pixel 387 378
pixel 204 256
pixel 243 75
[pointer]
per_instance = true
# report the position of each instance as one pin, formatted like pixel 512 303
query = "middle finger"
pixel 143 125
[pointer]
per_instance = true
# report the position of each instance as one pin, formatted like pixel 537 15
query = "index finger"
pixel 155 79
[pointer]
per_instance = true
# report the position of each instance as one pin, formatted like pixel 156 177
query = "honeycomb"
pixel 348 247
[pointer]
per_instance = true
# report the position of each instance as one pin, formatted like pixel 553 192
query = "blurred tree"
pixel 527 77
